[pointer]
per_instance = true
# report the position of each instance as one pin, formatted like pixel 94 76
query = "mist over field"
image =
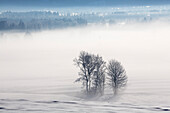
pixel 140 47
pixel 37 68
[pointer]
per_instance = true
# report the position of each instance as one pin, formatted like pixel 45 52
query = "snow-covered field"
pixel 37 72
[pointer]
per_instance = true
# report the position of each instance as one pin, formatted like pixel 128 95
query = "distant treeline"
pixel 38 20
pixel 38 24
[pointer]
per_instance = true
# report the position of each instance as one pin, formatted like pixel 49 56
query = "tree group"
pixel 94 71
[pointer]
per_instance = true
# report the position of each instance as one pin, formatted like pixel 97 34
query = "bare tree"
pixel 92 72
pixel 117 77
pixel 86 63
pixel 99 76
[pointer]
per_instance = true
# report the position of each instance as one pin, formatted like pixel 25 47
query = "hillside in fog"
pixel 57 18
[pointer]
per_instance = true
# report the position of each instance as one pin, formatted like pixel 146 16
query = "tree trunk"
pixel 115 91
pixel 87 87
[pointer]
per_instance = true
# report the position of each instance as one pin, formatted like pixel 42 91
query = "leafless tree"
pixel 92 72
pixel 117 77
pixel 99 76
pixel 86 64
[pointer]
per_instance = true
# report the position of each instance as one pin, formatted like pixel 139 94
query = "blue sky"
pixel 58 3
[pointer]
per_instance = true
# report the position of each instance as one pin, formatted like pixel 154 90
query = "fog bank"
pixel 142 49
